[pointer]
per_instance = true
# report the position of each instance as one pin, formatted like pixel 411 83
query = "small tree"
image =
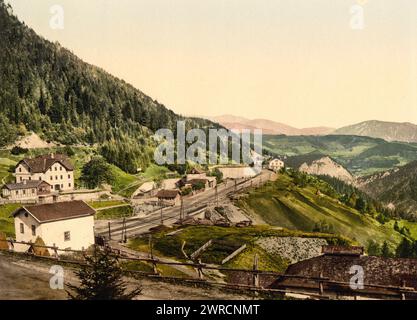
pixel 101 279
pixel 373 248
pixel 385 251
pixel 96 172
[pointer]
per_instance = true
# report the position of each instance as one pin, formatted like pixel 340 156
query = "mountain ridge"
pixel 268 126
pixel 389 131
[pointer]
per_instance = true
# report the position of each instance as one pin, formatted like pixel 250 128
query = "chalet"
pixel 55 169
pixel 276 165
pixel 26 190
pixel 66 225
pixel 169 197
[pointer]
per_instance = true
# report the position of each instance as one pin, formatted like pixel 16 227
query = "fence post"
pixel 200 270
pixel 321 289
pixel 403 294
pixel 56 255
pixel 11 245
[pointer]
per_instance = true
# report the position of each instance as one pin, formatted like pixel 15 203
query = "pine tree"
pixel 385 251
pixel 101 279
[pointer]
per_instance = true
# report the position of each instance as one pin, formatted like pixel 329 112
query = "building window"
pixel 69 185
pixel 20 169
pixel 30 178
pixel 24 191
pixel 56 169
pixel 69 176
pixel 60 168
pixel 21 179
pixel 33 230
pixel 52 178
pixel 22 228
pixel 67 235
pixel 62 177
pixel 56 177
pixel 62 186
pixel 40 179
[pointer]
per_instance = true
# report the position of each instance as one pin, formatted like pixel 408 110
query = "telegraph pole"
pixel 217 196
pixel 182 215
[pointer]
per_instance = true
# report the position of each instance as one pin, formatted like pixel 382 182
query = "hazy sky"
pixel 293 61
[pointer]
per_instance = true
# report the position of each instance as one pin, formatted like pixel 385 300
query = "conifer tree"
pixel 101 279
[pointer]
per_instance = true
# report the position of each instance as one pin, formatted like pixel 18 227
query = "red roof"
pixel 58 211
pixel 42 163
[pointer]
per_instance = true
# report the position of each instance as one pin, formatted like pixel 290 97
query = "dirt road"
pixel 29 280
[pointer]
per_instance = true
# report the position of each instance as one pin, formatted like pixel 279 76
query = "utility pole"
pixel 109 232
pixel 182 215
pixel 217 196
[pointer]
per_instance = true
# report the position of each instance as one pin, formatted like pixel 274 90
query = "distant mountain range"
pixel 389 131
pixel 268 126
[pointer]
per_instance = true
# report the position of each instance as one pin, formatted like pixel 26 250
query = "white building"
pixel 55 169
pixel 66 225
pixel 26 190
pixel 276 165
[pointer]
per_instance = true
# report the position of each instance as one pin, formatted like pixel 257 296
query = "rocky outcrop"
pixel 294 249
pixel 327 166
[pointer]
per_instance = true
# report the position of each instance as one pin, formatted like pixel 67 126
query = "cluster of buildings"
pixel 40 178
pixel 172 189
pixel 66 225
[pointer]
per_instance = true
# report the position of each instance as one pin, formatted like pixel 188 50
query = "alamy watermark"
pixel 358 279
pixel 357 15
pixel 220 147
pixel 57 20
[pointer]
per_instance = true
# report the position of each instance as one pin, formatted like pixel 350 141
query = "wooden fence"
pixel 318 287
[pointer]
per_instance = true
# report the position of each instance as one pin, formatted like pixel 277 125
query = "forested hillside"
pixel 46 89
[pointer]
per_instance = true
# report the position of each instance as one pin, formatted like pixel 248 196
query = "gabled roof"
pixel 197 181
pixel 42 163
pixel 58 211
pixel 28 184
pixel 196 171
pixel 168 194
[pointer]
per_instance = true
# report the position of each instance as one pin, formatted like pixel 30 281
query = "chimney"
pixel 52 156
pixel 25 182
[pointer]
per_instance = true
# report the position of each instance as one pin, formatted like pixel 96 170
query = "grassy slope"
pixel 283 204
pixel 226 241
pixel 6 222
pixel 361 155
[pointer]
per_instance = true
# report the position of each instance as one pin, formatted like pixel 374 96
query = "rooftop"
pixel 42 163
pixel 28 184
pixel 58 211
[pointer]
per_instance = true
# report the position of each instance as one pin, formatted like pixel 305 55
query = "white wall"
pixel 52 233
pixel 56 175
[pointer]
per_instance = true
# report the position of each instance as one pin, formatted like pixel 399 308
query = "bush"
pixel 16 150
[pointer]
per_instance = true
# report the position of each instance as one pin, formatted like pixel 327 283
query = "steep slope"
pixel 390 131
pixel 284 204
pixel 46 89
pixel 396 188
pixel 268 126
